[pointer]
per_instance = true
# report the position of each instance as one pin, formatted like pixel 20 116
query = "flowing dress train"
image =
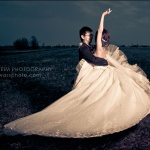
pixel 103 100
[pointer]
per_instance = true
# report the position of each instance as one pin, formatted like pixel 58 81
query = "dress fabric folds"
pixel 103 100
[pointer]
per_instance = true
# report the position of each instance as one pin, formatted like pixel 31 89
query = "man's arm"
pixel 88 56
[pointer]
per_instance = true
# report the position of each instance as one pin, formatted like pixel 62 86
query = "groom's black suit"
pixel 85 53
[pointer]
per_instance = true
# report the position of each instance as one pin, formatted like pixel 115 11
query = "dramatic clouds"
pixel 58 22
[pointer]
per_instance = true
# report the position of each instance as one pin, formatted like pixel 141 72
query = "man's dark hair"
pixel 83 31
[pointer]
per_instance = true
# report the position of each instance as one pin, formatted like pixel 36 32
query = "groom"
pixel 85 49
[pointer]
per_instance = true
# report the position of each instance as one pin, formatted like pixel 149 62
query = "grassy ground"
pixel 21 96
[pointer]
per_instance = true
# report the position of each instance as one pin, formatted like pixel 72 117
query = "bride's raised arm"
pixel 99 48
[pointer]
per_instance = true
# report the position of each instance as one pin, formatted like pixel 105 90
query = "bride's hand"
pixel 107 12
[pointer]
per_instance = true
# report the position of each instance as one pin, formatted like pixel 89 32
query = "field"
pixel 33 79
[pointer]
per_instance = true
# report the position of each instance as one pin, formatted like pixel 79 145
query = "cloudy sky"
pixel 58 22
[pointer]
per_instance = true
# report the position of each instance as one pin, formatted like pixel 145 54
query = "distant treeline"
pixel 39 47
pixel 136 45
pixel 25 44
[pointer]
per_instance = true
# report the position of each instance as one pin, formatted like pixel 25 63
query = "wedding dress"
pixel 103 100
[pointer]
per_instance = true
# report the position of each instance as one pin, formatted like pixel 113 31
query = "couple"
pixel 109 95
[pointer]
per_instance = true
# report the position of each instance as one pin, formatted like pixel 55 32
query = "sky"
pixel 59 22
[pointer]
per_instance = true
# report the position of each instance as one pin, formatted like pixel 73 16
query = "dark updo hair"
pixel 105 38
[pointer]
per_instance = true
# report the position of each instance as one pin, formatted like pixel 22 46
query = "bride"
pixel 103 100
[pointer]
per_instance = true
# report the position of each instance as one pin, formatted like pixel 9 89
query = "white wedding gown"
pixel 103 100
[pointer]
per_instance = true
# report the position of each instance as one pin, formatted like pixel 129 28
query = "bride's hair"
pixel 105 38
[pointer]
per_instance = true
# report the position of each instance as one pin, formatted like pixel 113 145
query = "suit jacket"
pixel 85 53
